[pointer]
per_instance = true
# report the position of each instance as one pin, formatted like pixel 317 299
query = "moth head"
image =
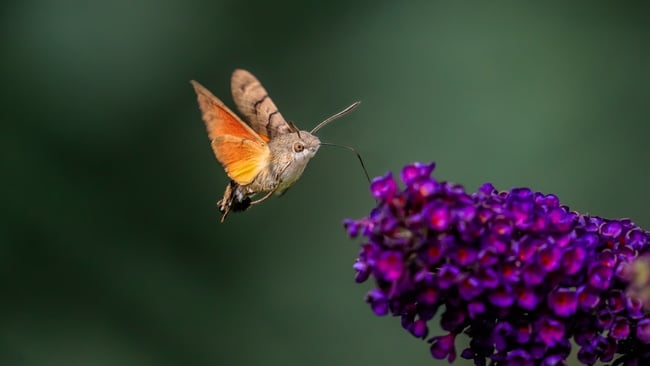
pixel 305 145
pixel 298 146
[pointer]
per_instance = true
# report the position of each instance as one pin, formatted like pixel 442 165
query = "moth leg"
pixel 262 199
pixel 233 199
pixel 274 189
pixel 225 203
pixel 225 213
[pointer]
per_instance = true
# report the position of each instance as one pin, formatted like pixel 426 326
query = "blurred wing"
pixel 254 103
pixel 242 152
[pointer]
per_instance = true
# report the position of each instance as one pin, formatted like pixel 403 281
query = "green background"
pixel 112 253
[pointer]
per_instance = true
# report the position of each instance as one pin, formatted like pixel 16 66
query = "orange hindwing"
pixel 242 152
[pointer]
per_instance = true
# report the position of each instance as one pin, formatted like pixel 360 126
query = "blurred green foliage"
pixel 111 252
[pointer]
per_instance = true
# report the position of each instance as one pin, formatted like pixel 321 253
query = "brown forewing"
pixel 254 103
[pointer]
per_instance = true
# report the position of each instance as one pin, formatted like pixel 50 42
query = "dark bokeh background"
pixel 111 252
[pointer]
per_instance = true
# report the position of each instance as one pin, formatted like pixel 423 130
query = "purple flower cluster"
pixel 516 272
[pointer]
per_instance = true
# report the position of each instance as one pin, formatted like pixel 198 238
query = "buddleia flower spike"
pixel 516 273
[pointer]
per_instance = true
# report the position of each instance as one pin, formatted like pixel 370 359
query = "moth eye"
pixel 298 147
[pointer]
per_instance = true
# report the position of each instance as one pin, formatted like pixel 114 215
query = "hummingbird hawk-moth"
pixel 267 155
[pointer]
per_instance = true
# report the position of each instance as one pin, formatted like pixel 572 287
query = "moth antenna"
pixel 363 166
pixel 294 128
pixel 340 114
